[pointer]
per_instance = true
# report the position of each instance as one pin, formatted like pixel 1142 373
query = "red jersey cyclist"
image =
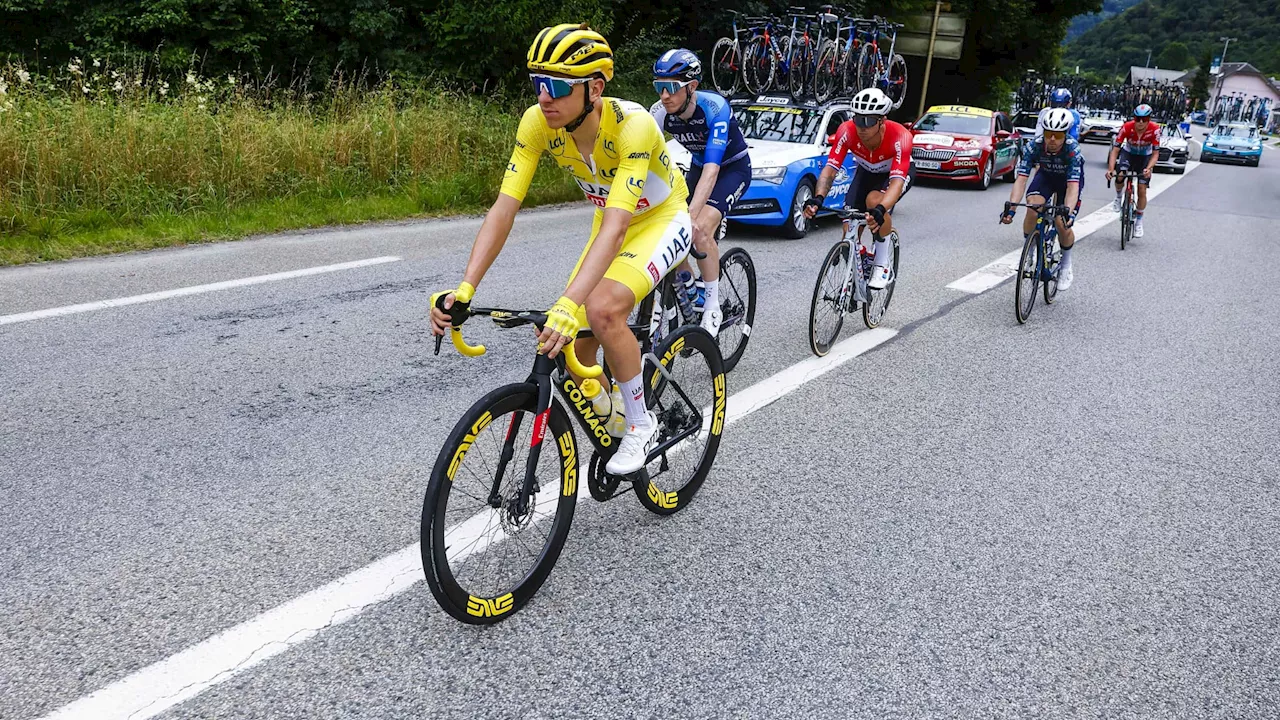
pixel 882 150
pixel 1137 146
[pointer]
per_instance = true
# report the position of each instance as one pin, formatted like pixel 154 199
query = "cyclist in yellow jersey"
pixel 641 229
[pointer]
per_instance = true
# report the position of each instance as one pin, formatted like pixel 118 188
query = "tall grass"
pixel 102 159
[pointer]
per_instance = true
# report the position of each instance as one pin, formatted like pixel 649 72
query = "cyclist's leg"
pixel 691 179
pixel 1140 164
pixel 1122 165
pixel 1038 192
pixel 883 252
pixel 859 188
pixel 875 197
pixel 653 246
pixel 731 183
pixel 1067 235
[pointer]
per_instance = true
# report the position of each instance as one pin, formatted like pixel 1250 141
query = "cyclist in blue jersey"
pixel 719 167
pixel 1059 168
pixel 1061 98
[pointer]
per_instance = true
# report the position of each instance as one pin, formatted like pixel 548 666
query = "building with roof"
pixel 1153 76
pixel 1241 78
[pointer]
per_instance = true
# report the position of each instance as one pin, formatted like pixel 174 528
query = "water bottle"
pixel 617 426
pixel 699 296
pixel 685 292
pixel 594 392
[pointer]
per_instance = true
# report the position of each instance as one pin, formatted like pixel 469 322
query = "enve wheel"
pixel 800 70
pixel 827 78
pixel 484 554
pixel 873 311
pixel 691 410
pixel 827 307
pixel 737 305
pixel 1028 279
pixel 797 225
pixel 867 66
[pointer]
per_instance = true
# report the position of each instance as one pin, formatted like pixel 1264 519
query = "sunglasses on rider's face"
pixel 866 122
pixel 670 87
pixel 553 86
pixel 1054 135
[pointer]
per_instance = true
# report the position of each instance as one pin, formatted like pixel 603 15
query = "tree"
pixel 1175 56
pixel 1199 91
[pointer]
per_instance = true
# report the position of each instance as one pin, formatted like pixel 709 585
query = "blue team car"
pixel 788 143
pixel 1233 142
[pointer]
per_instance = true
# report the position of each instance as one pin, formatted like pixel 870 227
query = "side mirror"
pixel 1003 134
pixel 1206 134
pixel 908 125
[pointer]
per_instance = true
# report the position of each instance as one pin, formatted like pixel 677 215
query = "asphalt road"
pixel 1078 517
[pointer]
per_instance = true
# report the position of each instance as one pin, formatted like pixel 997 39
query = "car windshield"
pixel 1240 131
pixel 1025 119
pixel 957 124
pixel 783 124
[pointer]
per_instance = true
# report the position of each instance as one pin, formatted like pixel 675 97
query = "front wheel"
pixel 737 305
pixel 726 66
pixel 988 173
pixel 487 546
pixel 826 80
pixel 800 69
pixel 1024 294
pixel 758 66
pixel 868 66
pixel 1126 222
pixel 797 225
pixel 831 296
pixel 690 406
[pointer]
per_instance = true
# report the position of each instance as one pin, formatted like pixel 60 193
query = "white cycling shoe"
pixel 634 447
pixel 1065 275
pixel 1137 228
pixel 879 278
pixel 711 319
pixel 1115 205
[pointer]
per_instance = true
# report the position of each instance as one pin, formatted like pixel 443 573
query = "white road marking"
pixel 177 678
pixel 191 290
pixel 1004 267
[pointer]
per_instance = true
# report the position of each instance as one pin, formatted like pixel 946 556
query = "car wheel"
pixel 797 225
pixel 1012 175
pixel 985 181
pixel 1180 171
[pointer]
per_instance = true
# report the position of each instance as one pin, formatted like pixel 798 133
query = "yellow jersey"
pixel 629 168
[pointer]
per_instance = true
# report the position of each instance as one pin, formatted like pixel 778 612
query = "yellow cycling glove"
pixel 563 317
pixel 462 294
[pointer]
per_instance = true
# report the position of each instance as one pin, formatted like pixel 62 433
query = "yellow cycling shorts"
pixel 655 243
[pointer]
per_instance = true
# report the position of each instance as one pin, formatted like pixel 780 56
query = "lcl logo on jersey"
pixel 556 145
pixel 609 149
pixel 636 186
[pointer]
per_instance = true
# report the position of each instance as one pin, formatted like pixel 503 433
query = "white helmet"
pixel 1058 120
pixel 872 101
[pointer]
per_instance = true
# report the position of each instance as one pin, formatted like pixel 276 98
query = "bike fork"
pixel 542 367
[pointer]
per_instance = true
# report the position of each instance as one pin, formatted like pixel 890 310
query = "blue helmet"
pixel 678 63
pixel 1143 110
pixel 1061 97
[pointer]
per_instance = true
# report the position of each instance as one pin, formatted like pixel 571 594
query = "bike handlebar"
pixel 460 312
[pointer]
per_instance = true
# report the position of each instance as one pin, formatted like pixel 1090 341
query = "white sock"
pixel 1066 255
pixel 882 252
pixel 713 294
pixel 633 400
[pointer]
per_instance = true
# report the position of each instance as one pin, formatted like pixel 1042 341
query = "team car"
pixel 959 142
pixel 788 143
pixel 1233 142
pixel 1100 126
pixel 1173 149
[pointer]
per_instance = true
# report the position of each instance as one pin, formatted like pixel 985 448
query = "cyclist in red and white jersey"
pixel 882 150
pixel 1137 145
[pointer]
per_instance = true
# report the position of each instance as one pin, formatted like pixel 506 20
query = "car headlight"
pixel 971 153
pixel 1210 144
pixel 769 174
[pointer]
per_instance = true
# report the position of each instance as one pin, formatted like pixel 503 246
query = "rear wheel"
pixel 868 64
pixel 896 81
pixel 726 66
pixel 758 66
pixel 828 77
pixel 484 552
pixel 691 412
pixel 737 305
pixel 988 172
pixel 1024 294
pixel 827 307
pixel 800 69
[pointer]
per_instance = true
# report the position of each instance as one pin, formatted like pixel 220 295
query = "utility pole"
pixel 1148 57
pixel 1222 66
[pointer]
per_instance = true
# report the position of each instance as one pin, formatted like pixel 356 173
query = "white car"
pixel 1100 126
pixel 1173 149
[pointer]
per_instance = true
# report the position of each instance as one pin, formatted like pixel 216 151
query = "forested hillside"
pixel 1163 25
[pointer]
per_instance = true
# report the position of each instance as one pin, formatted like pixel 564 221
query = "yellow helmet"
pixel 573 50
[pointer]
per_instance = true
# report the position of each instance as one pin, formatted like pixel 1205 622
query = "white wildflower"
pixel 231 79
pixel 85 88
pixel 73 67
pixel 191 78
pixel 4 87
pixel 23 76
pixel 97 62
pixel 164 88
pixel 118 87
